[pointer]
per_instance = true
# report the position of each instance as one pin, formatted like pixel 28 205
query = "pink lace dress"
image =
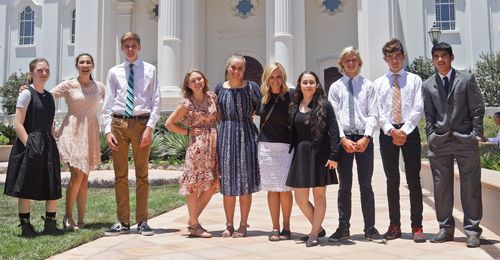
pixel 78 135
pixel 200 167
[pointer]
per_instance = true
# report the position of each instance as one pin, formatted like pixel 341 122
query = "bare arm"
pixel 174 118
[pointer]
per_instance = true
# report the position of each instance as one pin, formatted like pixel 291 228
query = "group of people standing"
pixel 306 138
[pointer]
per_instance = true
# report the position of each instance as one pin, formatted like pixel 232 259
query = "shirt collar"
pixel 346 79
pixel 400 73
pixel 137 62
pixel 447 75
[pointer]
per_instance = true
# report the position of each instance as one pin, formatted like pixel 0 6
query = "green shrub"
pixel 9 132
pixel 488 77
pixel 158 147
pixel 176 144
pixel 491 160
pixel 3 140
pixel 105 150
pixel 422 67
pixel 490 128
pixel 10 91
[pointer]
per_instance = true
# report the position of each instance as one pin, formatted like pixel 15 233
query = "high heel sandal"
pixel 81 225
pixel 69 223
pixel 238 233
pixel 198 231
pixel 229 230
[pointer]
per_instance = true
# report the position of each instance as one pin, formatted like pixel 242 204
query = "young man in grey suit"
pixel 454 110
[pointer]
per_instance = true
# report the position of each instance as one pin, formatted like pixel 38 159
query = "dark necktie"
pixel 129 103
pixel 352 123
pixel 446 84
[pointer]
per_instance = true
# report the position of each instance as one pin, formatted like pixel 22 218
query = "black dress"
pixel 34 170
pixel 308 166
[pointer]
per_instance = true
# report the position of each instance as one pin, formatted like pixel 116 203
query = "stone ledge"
pixel 490 184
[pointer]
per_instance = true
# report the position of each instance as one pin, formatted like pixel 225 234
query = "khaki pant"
pixel 128 131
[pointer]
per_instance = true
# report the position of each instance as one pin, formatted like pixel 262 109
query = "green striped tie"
pixel 129 104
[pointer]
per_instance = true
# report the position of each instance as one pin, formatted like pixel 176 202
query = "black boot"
pixel 50 226
pixel 27 230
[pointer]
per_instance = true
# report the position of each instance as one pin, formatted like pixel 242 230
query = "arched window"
pixel 445 14
pixel 73 15
pixel 27 26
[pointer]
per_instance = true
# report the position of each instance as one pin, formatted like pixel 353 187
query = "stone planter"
pixel 490 185
pixel 5 152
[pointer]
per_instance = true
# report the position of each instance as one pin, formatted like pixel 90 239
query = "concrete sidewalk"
pixel 171 242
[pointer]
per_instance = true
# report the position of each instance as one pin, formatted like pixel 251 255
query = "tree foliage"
pixel 422 67
pixel 10 91
pixel 488 77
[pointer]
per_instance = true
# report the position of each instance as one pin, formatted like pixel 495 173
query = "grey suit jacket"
pixel 456 115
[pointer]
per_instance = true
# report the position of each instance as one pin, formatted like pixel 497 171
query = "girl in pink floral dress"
pixel 79 134
pixel 198 112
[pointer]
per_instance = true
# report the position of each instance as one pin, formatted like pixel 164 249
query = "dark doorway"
pixel 253 70
pixel 332 74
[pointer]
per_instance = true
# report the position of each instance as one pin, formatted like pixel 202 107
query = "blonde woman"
pixel 274 141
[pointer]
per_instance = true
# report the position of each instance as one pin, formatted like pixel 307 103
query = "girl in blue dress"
pixel 237 143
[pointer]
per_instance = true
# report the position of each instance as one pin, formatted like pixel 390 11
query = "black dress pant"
pixel 364 162
pixel 411 156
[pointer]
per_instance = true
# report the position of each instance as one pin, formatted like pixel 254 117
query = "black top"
pixel 302 125
pixel 324 130
pixel 276 128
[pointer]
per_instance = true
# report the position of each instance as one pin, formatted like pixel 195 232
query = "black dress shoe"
pixel 442 236
pixel 342 233
pixel 473 241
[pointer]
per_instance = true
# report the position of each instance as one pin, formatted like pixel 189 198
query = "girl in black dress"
pixel 315 140
pixel 33 172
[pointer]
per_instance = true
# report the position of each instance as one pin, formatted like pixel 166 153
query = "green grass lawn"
pixel 100 214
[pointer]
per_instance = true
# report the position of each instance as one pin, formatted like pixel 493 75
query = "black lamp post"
pixel 434 34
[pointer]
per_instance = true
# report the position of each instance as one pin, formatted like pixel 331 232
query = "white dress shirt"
pixel 146 92
pixel 365 105
pixel 495 140
pixel 412 104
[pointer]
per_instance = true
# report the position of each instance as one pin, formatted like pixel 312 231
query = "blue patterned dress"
pixel 237 139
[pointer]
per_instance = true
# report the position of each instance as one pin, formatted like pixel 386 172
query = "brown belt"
pixel 139 117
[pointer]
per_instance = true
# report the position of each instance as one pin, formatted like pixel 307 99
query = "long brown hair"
pixel 33 64
pixel 265 89
pixel 186 90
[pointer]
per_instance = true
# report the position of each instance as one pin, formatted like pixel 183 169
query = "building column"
pixel 169 49
pixel 88 31
pixel 4 43
pixel 374 30
pixel 283 38
pixel 192 36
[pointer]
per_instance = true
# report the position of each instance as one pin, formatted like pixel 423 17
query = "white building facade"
pixel 177 35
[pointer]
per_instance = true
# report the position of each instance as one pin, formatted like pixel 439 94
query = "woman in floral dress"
pixel 198 112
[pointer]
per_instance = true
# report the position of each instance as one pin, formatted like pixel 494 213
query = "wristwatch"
pixel 367 136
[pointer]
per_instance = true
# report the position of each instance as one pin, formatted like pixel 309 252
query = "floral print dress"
pixel 200 167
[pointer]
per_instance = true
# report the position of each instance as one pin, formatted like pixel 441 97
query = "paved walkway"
pixel 171 242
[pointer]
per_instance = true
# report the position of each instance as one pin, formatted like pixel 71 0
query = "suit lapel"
pixel 453 81
pixel 440 88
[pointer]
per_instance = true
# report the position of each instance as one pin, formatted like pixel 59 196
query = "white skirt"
pixel 274 163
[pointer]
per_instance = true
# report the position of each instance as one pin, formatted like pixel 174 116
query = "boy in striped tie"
pixel 130 113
